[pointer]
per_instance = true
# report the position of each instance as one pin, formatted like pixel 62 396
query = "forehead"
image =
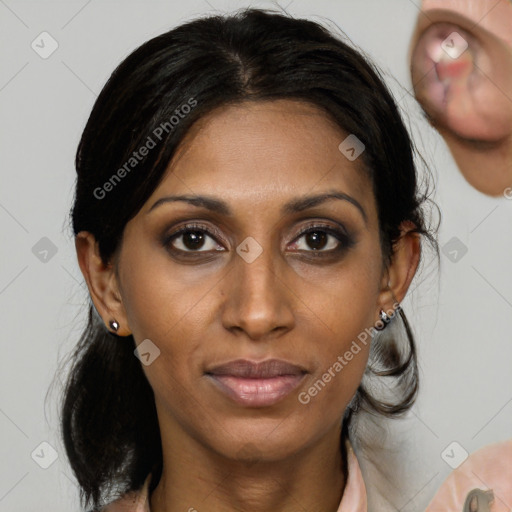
pixel 252 150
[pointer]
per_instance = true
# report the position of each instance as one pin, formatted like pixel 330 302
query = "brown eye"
pixel 322 239
pixel 319 240
pixel 192 238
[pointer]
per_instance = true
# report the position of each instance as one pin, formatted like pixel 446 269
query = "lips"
pixel 256 384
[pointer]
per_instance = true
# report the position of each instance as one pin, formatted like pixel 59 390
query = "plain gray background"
pixel 461 313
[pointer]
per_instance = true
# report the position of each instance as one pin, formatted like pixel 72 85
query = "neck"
pixel 195 478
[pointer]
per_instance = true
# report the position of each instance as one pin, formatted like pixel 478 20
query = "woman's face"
pixel 244 284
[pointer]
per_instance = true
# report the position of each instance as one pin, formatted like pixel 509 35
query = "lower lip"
pixel 257 392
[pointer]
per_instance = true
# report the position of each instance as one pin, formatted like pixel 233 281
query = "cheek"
pixel 159 295
pixel 347 305
pixel 172 312
pixel 164 306
pixel 343 354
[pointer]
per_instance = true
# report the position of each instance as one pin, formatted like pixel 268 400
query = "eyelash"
pixel 345 241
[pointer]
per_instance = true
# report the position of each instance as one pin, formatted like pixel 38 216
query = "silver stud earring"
pixel 384 320
pixel 114 325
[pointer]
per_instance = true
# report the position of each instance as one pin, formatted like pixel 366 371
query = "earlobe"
pixel 102 283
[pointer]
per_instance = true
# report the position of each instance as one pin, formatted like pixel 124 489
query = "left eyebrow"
pixel 295 205
pixel 305 202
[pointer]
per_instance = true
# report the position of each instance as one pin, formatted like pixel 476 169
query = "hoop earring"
pixel 114 325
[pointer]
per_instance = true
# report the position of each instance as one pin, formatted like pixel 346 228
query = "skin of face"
pixel 468 95
pixel 213 307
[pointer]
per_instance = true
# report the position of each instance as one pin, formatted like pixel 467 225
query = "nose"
pixel 260 300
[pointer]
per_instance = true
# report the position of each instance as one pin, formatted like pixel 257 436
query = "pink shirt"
pixel 490 468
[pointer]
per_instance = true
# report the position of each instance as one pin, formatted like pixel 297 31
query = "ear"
pixel 398 275
pixel 461 72
pixel 102 283
pixel 461 77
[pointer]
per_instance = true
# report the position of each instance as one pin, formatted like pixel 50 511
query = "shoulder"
pixel 483 482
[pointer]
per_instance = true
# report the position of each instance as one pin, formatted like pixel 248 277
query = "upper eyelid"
pixel 321 225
